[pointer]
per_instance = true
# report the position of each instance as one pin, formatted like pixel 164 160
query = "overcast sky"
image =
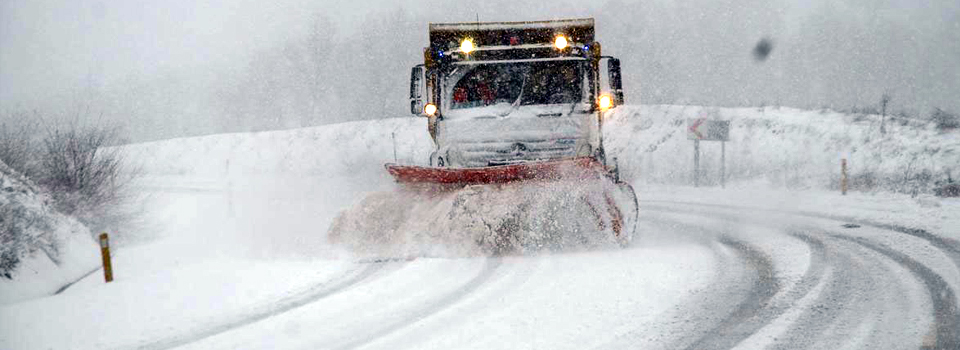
pixel 837 54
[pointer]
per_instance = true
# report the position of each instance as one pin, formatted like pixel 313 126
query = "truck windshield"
pixel 528 83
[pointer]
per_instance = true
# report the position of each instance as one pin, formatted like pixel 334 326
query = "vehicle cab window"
pixel 526 83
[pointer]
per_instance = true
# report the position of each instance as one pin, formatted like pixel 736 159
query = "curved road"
pixel 699 277
pixel 866 286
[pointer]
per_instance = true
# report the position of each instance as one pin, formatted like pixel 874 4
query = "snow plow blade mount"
pixel 579 168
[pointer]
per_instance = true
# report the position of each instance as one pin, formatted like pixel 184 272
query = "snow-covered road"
pixel 704 274
pixel 815 283
pixel 232 253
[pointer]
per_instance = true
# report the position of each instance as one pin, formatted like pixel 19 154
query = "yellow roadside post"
pixel 105 253
pixel 843 176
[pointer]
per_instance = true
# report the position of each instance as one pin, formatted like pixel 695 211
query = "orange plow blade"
pixel 553 169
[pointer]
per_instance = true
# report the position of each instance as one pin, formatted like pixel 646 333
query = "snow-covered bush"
pixel 22 226
pixel 18 146
pixel 75 165
pixel 22 234
pixel 40 249
pixel 83 176
pixel 945 120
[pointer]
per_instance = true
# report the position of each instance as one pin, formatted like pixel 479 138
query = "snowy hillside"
pixel 777 147
pixel 346 148
pixel 40 249
pixel 784 147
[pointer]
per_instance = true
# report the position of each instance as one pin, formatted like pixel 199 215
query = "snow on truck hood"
pixel 501 133
pixel 502 122
pixel 506 110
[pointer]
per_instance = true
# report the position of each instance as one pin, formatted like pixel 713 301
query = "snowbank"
pixel 41 249
pixel 784 148
pixel 776 147
pixel 347 148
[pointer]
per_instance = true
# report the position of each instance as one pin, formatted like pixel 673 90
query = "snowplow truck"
pixel 515 111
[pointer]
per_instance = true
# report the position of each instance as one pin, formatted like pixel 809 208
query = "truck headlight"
pixel 605 102
pixel 560 42
pixel 430 109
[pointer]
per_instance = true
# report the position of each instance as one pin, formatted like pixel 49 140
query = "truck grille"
pixel 479 154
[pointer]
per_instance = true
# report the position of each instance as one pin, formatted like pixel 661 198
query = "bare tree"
pixel 18 140
pixel 77 168
pixel 884 101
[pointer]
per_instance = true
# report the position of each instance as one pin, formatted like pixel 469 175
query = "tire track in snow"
pixel 749 281
pixel 950 247
pixel 492 264
pixel 742 322
pixel 946 332
pixel 465 312
pixel 319 291
pixel 761 306
pixel 946 312
pixel 782 313
pixel 821 305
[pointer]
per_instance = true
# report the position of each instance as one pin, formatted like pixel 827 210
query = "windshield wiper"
pixel 516 103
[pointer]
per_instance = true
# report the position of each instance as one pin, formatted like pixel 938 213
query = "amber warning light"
pixel 466 46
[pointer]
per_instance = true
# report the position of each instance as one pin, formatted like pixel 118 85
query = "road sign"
pixel 708 130
pixel 702 129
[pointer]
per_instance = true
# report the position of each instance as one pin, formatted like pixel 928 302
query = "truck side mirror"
pixel 616 82
pixel 416 90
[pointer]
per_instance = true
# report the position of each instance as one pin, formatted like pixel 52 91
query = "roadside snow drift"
pixel 784 148
pixel 777 147
pixel 40 249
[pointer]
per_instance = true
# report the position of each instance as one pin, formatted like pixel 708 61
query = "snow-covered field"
pixel 233 253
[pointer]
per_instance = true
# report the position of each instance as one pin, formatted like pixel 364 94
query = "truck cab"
pixel 500 93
